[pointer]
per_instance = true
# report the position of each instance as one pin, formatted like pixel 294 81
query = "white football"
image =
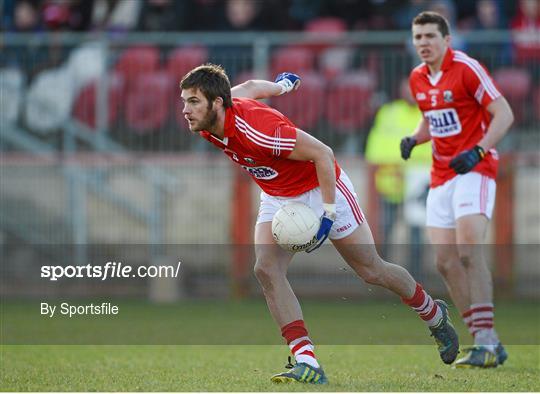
pixel 294 226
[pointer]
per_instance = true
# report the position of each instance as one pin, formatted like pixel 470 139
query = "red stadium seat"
pixel 148 103
pixel 349 102
pixel 293 59
pixel 335 61
pixel 84 108
pixel 182 60
pixel 243 77
pixel 515 85
pixel 305 106
pixel 137 60
pixel 328 27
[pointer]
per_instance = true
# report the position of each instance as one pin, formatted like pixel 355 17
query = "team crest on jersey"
pixel 443 122
pixel 265 173
pixel 420 96
pixel 249 160
pixel 448 97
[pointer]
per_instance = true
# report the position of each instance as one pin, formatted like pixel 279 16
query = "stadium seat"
pixel 245 76
pixel 12 83
pixel 137 60
pixel 305 106
pixel 182 60
pixel 515 85
pixel 328 25
pixel 85 105
pixel 49 100
pixel 335 61
pixel 86 63
pixel 349 102
pixel 332 27
pixel 292 59
pixel 148 103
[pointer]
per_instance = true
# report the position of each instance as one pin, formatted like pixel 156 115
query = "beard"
pixel 208 122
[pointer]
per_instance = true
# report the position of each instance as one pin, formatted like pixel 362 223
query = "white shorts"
pixel 349 215
pixel 467 194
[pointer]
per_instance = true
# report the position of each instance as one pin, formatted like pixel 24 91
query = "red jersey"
pixel 260 139
pixel 454 102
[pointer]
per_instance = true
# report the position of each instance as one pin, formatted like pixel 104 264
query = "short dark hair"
pixel 211 80
pixel 426 17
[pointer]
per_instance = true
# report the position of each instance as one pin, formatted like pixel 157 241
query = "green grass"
pixel 365 347
pixel 248 368
pixel 340 322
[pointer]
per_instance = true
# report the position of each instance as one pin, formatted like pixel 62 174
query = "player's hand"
pixel 327 220
pixel 406 147
pixel 288 82
pixel 465 161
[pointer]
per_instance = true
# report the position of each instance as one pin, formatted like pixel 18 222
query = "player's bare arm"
pixel 503 118
pixel 256 89
pixel 420 136
pixel 308 148
pixel 260 89
pixel 421 133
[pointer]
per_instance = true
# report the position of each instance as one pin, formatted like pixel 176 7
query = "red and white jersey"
pixel 454 102
pixel 260 138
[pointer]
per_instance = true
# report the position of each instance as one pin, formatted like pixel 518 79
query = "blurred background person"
pixel 116 15
pixel 489 16
pixel 163 15
pixel 447 8
pixel 405 13
pixel 393 121
pixel 525 27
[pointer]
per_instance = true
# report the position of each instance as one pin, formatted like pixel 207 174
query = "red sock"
pixel 479 319
pixel 467 319
pixel 423 304
pixel 297 338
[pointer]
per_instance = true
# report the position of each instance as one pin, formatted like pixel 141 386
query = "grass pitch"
pixel 248 368
pixel 235 367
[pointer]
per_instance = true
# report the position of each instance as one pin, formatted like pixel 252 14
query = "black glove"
pixel 406 146
pixel 465 161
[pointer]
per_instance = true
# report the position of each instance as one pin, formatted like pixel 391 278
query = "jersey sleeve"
pixel 285 140
pixel 270 134
pixel 412 85
pixel 479 83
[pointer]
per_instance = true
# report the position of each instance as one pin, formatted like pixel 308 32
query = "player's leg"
pixel 359 252
pixel 353 239
pixel 441 227
pixel 449 266
pixel 474 198
pixel 470 236
pixel 271 272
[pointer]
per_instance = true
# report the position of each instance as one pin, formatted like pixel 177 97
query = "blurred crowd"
pixel 242 15
pixel 142 74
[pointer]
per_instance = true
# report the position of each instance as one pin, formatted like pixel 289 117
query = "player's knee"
pixel 465 260
pixel 371 277
pixel 265 273
pixel 444 266
pixel 371 269
pixel 372 274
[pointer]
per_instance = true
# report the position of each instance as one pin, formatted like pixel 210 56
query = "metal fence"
pixel 96 154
